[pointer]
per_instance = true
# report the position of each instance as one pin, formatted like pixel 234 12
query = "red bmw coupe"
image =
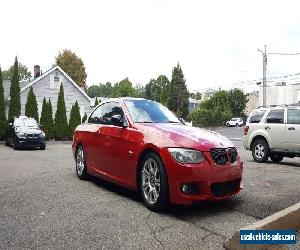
pixel 141 145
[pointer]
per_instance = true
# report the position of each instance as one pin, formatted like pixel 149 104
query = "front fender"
pixel 261 133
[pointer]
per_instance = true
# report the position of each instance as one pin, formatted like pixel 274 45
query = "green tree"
pixel 178 100
pixel 43 118
pixel 197 96
pixel 31 109
pixel 75 119
pixel 139 91
pixel 47 119
pixel 123 88
pixel 96 102
pixel 73 66
pixel 102 90
pixel 14 103
pixel 149 90
pixel 237 102
pixel 158 89
pixel 2 110
pixel 23 73
pixel 221 107
pixel 84 118
pixel 50 122
pixel 164 86
pixel 60 121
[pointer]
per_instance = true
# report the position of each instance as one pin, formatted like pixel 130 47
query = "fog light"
pixel 190 188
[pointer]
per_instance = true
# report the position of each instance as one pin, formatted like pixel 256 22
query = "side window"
pixel 110 109
pixel 276 116
pixel 293 116
pixel 96 116
pixel 256 116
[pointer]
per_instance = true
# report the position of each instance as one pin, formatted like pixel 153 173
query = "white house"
pixel 47 85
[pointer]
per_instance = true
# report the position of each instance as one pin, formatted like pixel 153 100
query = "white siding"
pixel 71 93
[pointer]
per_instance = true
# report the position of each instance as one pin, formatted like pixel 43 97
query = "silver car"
pixel 273 132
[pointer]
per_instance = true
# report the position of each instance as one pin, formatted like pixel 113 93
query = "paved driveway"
pixel 44 205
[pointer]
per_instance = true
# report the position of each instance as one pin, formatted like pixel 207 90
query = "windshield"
pixel 27 122
pixel 145 111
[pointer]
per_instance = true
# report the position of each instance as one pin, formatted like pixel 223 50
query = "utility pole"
pixel 264 54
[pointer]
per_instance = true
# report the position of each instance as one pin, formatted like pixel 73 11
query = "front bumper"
pixel 213 182
pixel 30 142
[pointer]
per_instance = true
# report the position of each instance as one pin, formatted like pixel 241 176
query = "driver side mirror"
pixel 10 124
pixel 117 120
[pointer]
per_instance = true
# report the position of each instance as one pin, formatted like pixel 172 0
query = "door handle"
pixel 291 128
pixel 267 127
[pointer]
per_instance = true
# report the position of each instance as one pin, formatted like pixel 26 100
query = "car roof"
pixel 276 107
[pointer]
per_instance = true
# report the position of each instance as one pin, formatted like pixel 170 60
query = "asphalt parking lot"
pixel 44 205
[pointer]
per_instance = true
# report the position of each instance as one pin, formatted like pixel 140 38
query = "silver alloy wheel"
pixel 151 181
pixel 259 151
pixel 79 161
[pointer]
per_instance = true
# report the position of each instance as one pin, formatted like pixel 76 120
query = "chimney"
pixel 37 71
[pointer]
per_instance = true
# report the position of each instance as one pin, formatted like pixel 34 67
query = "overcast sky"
pixel 215 42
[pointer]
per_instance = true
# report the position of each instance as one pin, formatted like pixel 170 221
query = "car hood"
pixel 186 136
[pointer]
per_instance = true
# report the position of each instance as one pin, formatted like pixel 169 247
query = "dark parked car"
pixel 142 145
pixel 25 132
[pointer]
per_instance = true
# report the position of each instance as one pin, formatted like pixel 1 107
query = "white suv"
pixel 237 122
pixel 273 132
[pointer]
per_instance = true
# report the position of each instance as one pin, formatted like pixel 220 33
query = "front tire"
pixel 153 183
pixel 15 144
pixel 276 158
pixel 260 151
pixel 80 161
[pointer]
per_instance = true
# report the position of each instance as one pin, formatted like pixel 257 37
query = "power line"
pixel 284 54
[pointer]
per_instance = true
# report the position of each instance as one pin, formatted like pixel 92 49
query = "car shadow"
pixel 179 211
pixel 203 208
pixel 119 190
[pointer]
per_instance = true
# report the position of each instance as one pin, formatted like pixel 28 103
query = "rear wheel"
pixel 153 183
pixel 80 163
pixel 260 151
pixel 276 158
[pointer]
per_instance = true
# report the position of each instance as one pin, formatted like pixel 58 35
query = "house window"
pixel 81 111
pixel 54 82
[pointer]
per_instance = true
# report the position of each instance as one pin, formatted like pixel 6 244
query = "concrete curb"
pixel 288 218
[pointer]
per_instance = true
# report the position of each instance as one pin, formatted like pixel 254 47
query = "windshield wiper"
pixel 145 122
pixel 173 122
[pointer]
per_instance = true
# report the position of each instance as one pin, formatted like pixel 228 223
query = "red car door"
pixel 120 146
pixel 93 144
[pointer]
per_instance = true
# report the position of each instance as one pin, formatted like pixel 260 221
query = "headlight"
pixel 21 134
pixel 42 134
pixel 184 155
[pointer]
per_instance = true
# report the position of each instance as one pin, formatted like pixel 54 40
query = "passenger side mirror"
pixel 10 124
pixel 117 120
pixel 182 120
